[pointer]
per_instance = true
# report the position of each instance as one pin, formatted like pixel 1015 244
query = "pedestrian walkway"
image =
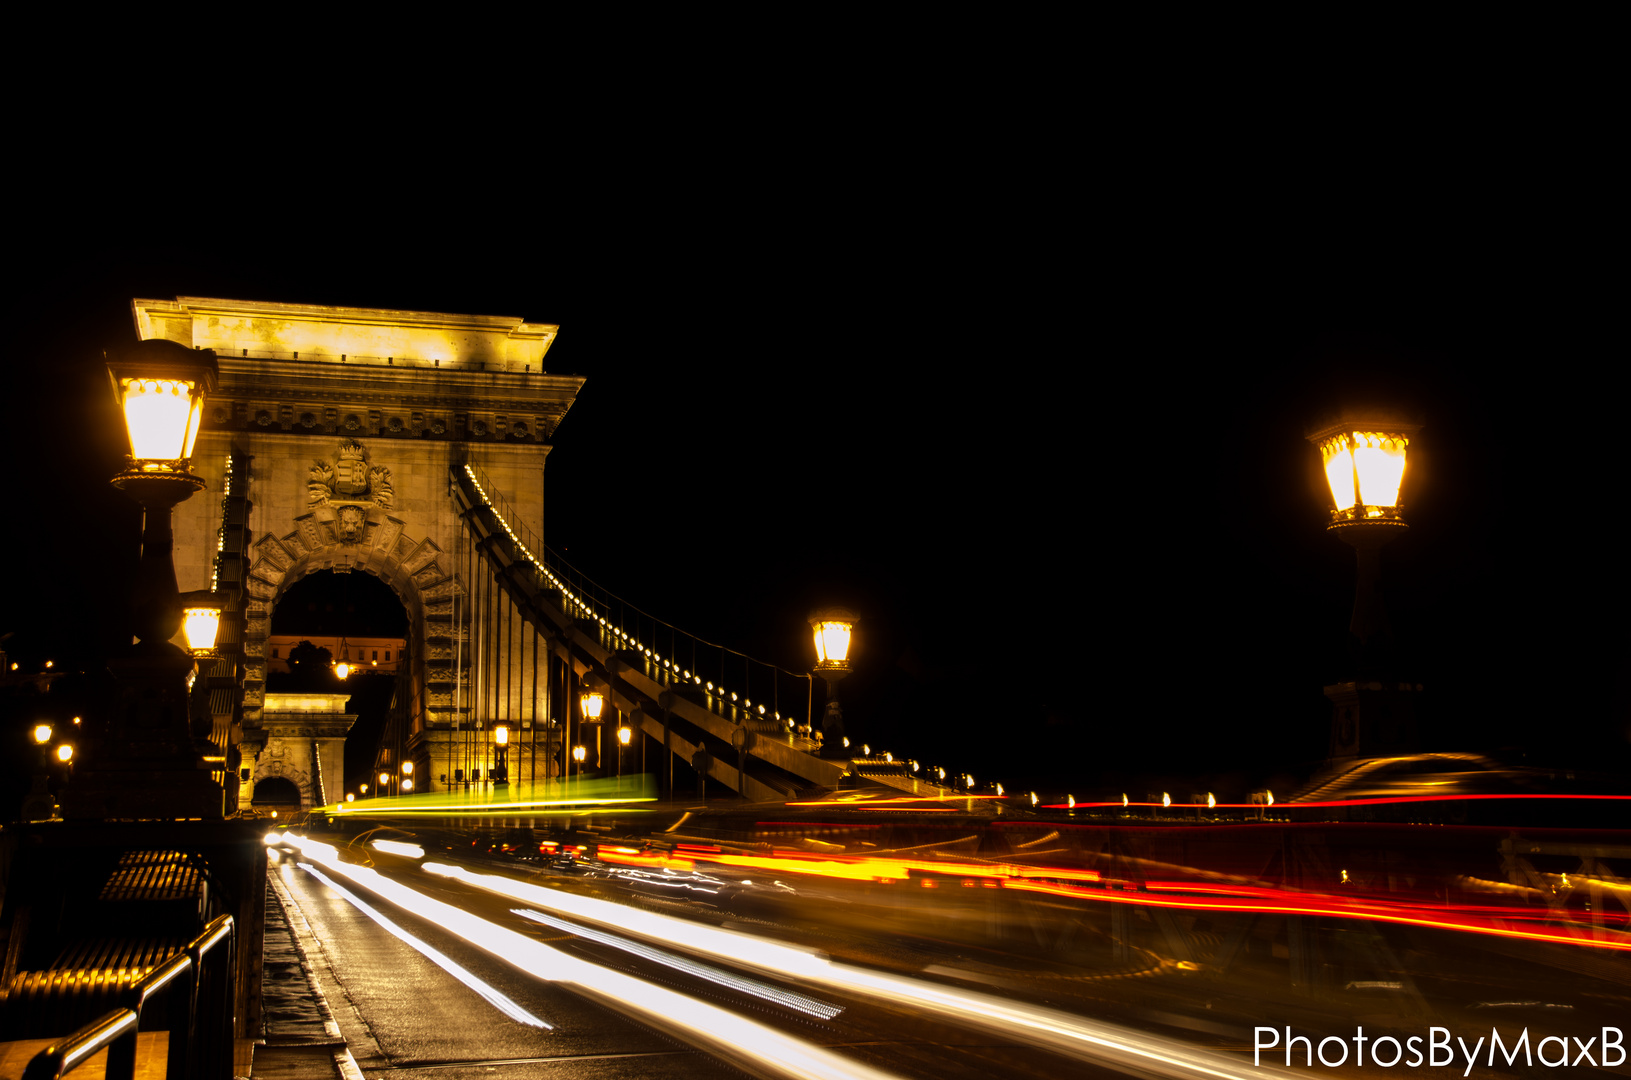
pixel 299 1039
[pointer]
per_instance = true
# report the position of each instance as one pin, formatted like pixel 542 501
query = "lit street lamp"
pixel 501 756
pixel 1364 464
pixel 591 703
pixel 150 764
pixel 624 734
pixel 201 621
pixel 832 630
pixel 1363 456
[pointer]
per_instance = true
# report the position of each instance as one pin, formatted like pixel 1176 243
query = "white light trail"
pixel 397 847
pixel 1075 1036
pixel 494 997
pixel 755 1048
pixel 807 1005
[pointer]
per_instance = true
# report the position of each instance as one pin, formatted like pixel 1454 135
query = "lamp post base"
pixel 148 765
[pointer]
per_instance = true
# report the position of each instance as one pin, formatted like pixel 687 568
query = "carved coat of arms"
pixel 349 487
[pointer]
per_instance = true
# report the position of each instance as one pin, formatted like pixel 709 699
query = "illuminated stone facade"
pixel 345 422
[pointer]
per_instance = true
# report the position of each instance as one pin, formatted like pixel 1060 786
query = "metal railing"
pixel 746 689
pixel 198 1011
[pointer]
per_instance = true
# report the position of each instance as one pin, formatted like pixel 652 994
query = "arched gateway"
pixel 327 446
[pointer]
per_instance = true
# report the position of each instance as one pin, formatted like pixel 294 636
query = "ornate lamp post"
pixel 832 628
pixel 591 702
pixel 1363 455
pixel 150 764
pixel 625 734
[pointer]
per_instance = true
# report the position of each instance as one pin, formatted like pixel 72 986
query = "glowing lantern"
pixel 591 700
pixel 832 627
pixel 42 733
pixel 160 387
pixel 578 754
pixel 501 735
pixel 1364 462
pixel 201 621
pixel 65 753
pixel 624 735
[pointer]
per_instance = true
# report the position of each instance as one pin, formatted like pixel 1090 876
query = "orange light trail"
pixel 1378 801
pixel 1375 912
pixel 1088 885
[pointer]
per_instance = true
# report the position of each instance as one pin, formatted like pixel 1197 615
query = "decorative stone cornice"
pixel 372 372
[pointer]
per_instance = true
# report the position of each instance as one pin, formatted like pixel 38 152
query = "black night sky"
pixel 1056 464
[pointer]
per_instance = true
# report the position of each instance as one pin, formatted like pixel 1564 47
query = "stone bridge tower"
pixel 327 447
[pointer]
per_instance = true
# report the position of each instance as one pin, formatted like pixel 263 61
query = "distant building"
pixel 370 653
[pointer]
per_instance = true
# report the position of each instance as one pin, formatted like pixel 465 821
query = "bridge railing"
pixel 198 983
pixel 757 693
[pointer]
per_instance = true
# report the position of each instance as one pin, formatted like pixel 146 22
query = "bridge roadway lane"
pixel 405 1017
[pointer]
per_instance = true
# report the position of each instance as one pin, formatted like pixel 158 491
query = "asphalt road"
pixel 404 1016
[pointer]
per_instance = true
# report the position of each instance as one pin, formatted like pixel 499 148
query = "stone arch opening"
pixel 354 619
pixel 278 793
pixel 418 572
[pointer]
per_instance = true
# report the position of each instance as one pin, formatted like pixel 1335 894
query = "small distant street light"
pixel 501 755
pixel 624 735
pixel 591 700
pixel 42 733
pixel 832 628
pixel 65 753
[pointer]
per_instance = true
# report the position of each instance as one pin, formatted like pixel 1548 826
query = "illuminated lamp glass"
pixel 1364 463
pixel 65 753
pixel 578 754
pixel 161 417
pixel 384 778
pixel 201 621
pixel 591 700
pixel 624 735
pixel 501 735
pixel 832 628
pixel 407 783
pixel 407 768
pixel 42 733
pixel 160 388
pixel 342 669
